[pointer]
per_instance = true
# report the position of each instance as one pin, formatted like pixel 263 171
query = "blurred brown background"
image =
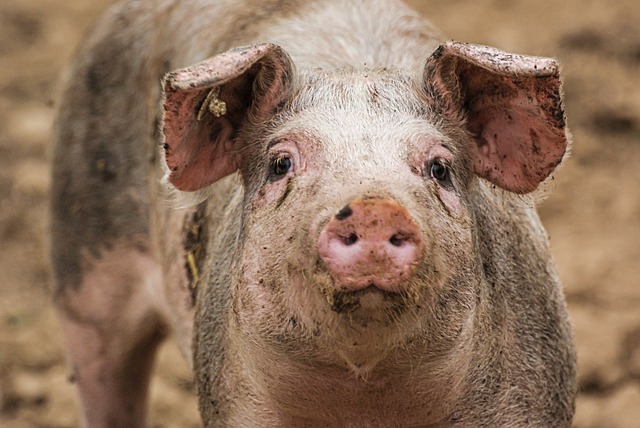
pixel 592 215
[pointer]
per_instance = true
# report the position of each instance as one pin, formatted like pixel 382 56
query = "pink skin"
pixel 371 242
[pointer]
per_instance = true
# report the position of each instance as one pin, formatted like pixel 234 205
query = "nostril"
pixel 397 240
pixel 350 240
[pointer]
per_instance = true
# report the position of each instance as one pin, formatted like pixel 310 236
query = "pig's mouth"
pixel 369 298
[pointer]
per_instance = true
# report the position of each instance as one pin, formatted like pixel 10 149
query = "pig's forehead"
pixel 365 91
pixel 360 104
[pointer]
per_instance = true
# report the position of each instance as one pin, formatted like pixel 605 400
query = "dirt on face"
pixel 592 214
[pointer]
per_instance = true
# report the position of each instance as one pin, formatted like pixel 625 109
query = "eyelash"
pixel 280 166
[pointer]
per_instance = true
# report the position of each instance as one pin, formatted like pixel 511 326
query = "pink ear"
pixel 206 104
pixel 513 109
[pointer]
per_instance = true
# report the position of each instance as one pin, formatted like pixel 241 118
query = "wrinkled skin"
pixel 357 242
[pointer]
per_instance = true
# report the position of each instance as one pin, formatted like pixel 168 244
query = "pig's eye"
pixel 280 166
pixel 440 172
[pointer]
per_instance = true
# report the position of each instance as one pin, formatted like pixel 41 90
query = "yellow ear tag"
pixel 213 104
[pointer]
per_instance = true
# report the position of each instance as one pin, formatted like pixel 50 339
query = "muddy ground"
pixel 592 215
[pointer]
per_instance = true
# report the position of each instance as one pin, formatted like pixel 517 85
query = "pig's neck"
pixel 281 391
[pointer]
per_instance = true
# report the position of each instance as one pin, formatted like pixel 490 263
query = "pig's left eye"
pixel 281 165
pixel 441 172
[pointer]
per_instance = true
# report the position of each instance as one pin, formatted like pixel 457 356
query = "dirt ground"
pixel 592 215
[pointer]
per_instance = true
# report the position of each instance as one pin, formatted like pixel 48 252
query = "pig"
pixel 329 205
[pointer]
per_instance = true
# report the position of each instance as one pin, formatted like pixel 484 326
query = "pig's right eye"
pixel 280 166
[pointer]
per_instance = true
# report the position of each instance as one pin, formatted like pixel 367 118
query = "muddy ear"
pixel 206 104
pixel 512 106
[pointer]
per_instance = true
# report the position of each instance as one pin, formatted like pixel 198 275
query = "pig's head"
pixel 358 230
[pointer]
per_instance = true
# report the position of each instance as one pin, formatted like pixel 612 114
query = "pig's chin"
pixel 367 305
pixel 370 324
pixel 360 327
pixel 371 303
pixel 369 314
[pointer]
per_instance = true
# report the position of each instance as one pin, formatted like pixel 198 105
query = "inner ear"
pixel 511 106
pixel 237 96
pixel 206 105
pixel 518 126
pixel 254 96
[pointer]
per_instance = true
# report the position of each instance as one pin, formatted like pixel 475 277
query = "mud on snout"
pixel 373 260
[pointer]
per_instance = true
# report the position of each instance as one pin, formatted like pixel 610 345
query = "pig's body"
pixel 444 310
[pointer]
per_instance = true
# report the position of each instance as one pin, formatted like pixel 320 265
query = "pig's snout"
pixel 371 243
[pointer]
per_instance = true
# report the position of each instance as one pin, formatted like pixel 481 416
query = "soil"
pixel 592 213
